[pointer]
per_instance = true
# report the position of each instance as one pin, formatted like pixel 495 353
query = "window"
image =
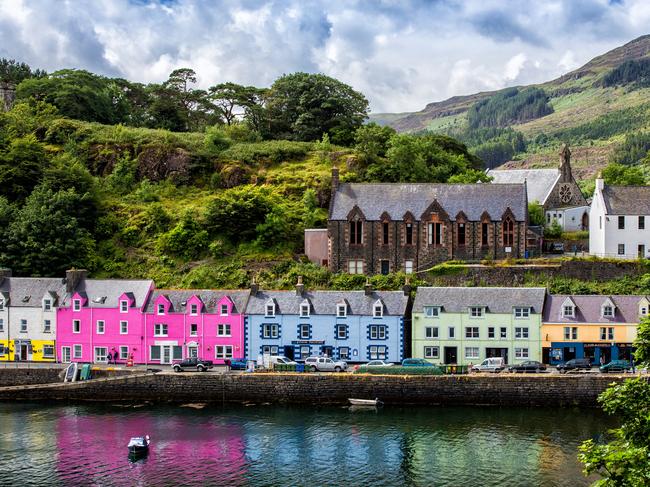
pixel 2 324
pixel 194 329
pixel 521 333
pixel 124 327
pixel 355 267
pixel 570 333
pixel 568 311
pixel 471 352
pixel 378 310
pixel 23 326
pixel 161 309
pixel 344 353
pixel 224 310
pixel 503 333
pixel 305 332
pixel 124 306
pixel 160 330
pixel 621 222
pixel 408 267
pixel 77 351
pixel 431 352
pixel 194 309
pixel 461 234
pixel 48 351
pixel 155 352
pixel 491 332
pixel 385 266
pixel 643 311
pixel 101 354
pixel 3 350
pixel 521 353
pixel 270 349
pixel 124 352
pixel 476 312
pixel 76 305
pixel 47 326
pixel 484 234
pixel 223 351
pixel 377 352
pixel 65 354
pixel 223 330
pixel 431 311
pixel 101 325
pixel 452 332
pixel 304 310
pixel 177 352
pixel 409 233
pixel 2 304
pixel 608 311
pixel 435 233
pixel 270 309
pixel 47 305
pixel 384 233
pixel 377 332
pixel 621 249
pixel 341 310
pixel 341 332
pixel 270 331
pixel 642 223
pixel 76 326
pixel 508 233
pixel 607 333
pixel 431 332
pixel 471 332
pixel 305 351
pixel 522 312
pixel 356 232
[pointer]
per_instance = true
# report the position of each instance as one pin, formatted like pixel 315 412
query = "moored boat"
pixel 366 402
pixel 139 445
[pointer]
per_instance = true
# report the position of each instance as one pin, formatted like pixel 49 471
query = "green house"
pixel 463 325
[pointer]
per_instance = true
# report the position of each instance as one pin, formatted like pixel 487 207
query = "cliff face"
pixel 7 96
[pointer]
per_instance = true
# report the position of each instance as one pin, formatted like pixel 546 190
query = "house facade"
pixel 555 189
pixel 195 323
pixel 356 326
pixel 382 228
pixel 591 327
pixel 620 217
pixel 28 317
pixel 463 325
pixel 100 316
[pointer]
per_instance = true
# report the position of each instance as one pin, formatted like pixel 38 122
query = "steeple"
pixel 565 164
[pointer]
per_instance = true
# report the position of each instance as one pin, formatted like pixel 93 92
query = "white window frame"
pixel 23 325
pixel 76 305
pixel 160 309
pixel 503 333
pixel 522 313
pixel 570 332
pixel 160 330
pixel 194 332
pixel 47 326
pixel 223 330
pixel 2 324
pixel 491 332
pixel 431 332
pixel 103 327
pixel 451 332
pixel 124 327
pixel 76 326
pixel 63 354
pixel 222 352
pixel 47 305
pixel 355 266
pixel 223 310
pixel 607 333
pixel 476 312
pixel 273 330
pixel 303 335
pixel 521 352
pixel 521 333
pixel 98 359
pixel 270 309
pixel 76 347
pixel 378 310
pixel 341 310
pixel 469 332
pixel 342 356
pixel 475 352
pixel 124 306
pixel 51 347
pixel 304 310
pixel 339 335
pixel 608 311
pixel 432 352
pixel 124 352
pixel 2 304
pixel 194 309
pixel 270 349
pixel 377 332
pixel 408 267
pixel 377 352
pixel 432 311
pixel 568 311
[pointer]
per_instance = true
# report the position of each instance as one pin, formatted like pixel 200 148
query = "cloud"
pixel 400 54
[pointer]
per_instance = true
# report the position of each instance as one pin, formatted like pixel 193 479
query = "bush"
pixel 187 239
pixel 553 231
pixel 273 151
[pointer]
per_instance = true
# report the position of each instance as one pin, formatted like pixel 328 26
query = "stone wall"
pixel 501 390
pixel 12 376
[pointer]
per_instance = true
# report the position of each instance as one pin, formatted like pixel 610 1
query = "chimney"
pixel 335 178
pixel 300 287
pixel 73 277
pixel 255 288
pixel 368 288
pixel 407 286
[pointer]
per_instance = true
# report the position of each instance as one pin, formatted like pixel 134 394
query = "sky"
pixel 400 54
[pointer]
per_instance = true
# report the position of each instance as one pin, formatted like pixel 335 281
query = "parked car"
pixel 416 362
pixel 556 248
pixel 528 366
pixel 616 366
pixel 574 364
pixel 492 364
pixel 325 364
pixel 236 363
pixel 279 359
pixel 378 363
pixel 193 363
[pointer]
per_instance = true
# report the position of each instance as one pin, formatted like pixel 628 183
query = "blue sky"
pixel 400 54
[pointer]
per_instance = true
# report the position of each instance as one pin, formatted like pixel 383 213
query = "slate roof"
pixel 539 182
pixel 19 288
pixel 398 198
pixel 104 293
pixel 324 302
pixel 627 200
pixel 495 299
pixel 210 298
pixel 588 309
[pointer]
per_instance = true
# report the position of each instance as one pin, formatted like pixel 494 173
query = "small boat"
pixel 366 402
pixel 139 445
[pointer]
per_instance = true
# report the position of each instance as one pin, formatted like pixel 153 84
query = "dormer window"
pixel 194 309
pixel 270 308
pixel 341 310
pixel 608 311
pixel 378 309
pixel 304 309
pixel 643 310
pixel 522 312
pixel 76 305
pixel 124 306
pixel 568 311
pixel 161 309
pixel 47 305
pixel 224 310
pixel 432 311
pixel 2 304
pixel 476 311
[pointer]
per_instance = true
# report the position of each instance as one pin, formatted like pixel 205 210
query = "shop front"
pixel 597 352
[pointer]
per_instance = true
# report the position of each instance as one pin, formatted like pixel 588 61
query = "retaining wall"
pixel 47 375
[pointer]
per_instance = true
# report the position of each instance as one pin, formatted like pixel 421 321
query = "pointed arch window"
pixel 508 232
pixel 356 232
pixel 385 231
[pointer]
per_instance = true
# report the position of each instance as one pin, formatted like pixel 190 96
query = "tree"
pixel 371 141
pixel 13 72
pixel 536 213
pixel 470 176
pixel 21 167
pixel 231 98
pixel 194 105
pixel 618 174
pixel 642 342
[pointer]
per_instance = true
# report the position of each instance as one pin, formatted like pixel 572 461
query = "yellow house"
pixel 601 328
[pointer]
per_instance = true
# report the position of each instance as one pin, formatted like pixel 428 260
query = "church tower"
pixel 565 165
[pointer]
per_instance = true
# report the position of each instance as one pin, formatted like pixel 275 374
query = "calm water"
pixel 85 445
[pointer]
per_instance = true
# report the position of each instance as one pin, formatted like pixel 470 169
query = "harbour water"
pixel 267 445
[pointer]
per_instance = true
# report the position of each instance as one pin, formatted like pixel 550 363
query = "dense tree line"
pixel 493 145
pixel 634 148
pixel 633 71
pixel 617 122
pixel 509 106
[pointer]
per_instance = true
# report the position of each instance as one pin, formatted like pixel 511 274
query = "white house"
pixel 620 221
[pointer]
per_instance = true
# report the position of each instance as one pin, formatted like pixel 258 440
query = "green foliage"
pixel 634 148
pixel 536 213
pixel 618 174
pixel 372 141
pixel 470 176
pixel 632 71
pixel 575 236
pixel 13 72
pixel 273 151
pixel 398 370
pixel 493 145
pixel 123 178
pixel 554 230
pixel 623 461
pixel 616 122
pixel 216 140
pixel 642 342
pixel 21 167
pixel 187 239
pixel 509 106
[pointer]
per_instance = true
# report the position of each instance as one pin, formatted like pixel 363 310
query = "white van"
pixel 279 359
pixel 494 364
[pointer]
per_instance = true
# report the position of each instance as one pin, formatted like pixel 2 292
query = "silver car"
pixel 325 364
pixel 378 363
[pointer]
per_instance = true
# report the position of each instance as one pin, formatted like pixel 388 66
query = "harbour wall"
pixel 11 376
pixel 331 389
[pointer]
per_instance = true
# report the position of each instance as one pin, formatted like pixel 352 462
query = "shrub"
pixel 273 151
pixel 187 239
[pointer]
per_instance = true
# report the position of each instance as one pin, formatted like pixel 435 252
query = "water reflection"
pixel 86 445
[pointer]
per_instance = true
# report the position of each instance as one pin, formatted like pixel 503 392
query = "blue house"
pixel 355 326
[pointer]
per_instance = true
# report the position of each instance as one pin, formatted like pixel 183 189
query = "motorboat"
pixel 366 402
pixel 139 445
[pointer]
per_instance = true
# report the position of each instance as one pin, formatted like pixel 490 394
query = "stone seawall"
pixel 11 376
pixel 501 390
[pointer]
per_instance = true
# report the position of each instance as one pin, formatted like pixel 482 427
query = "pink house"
pixel 100 317
pixel 189 323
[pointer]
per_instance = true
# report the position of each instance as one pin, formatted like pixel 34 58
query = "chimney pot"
pixel 300 287
pixel 255 288
pixel 335 178
pixel 73 277
pixel 368 288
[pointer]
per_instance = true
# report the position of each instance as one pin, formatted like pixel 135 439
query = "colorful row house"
pixel 601 328
pixel 28 316
pixel 355 326
pixel 465 325
pixel 195 323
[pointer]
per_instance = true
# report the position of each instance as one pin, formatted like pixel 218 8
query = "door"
pixel 192 351
pixel 101 354
pixel 327 351
pixel 289 352
pixel 641 251
pixel 23 351
pixel 546 355
pixel 65 354
pixel 166 354
pixel 451 355
pixel 385 267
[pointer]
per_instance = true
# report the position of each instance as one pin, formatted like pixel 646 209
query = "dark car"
pixel 528 366
pixel 616 366
pixel 416 362
pixel 575 364
pixel 236 363
pixel 193 363
pixel 556 248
